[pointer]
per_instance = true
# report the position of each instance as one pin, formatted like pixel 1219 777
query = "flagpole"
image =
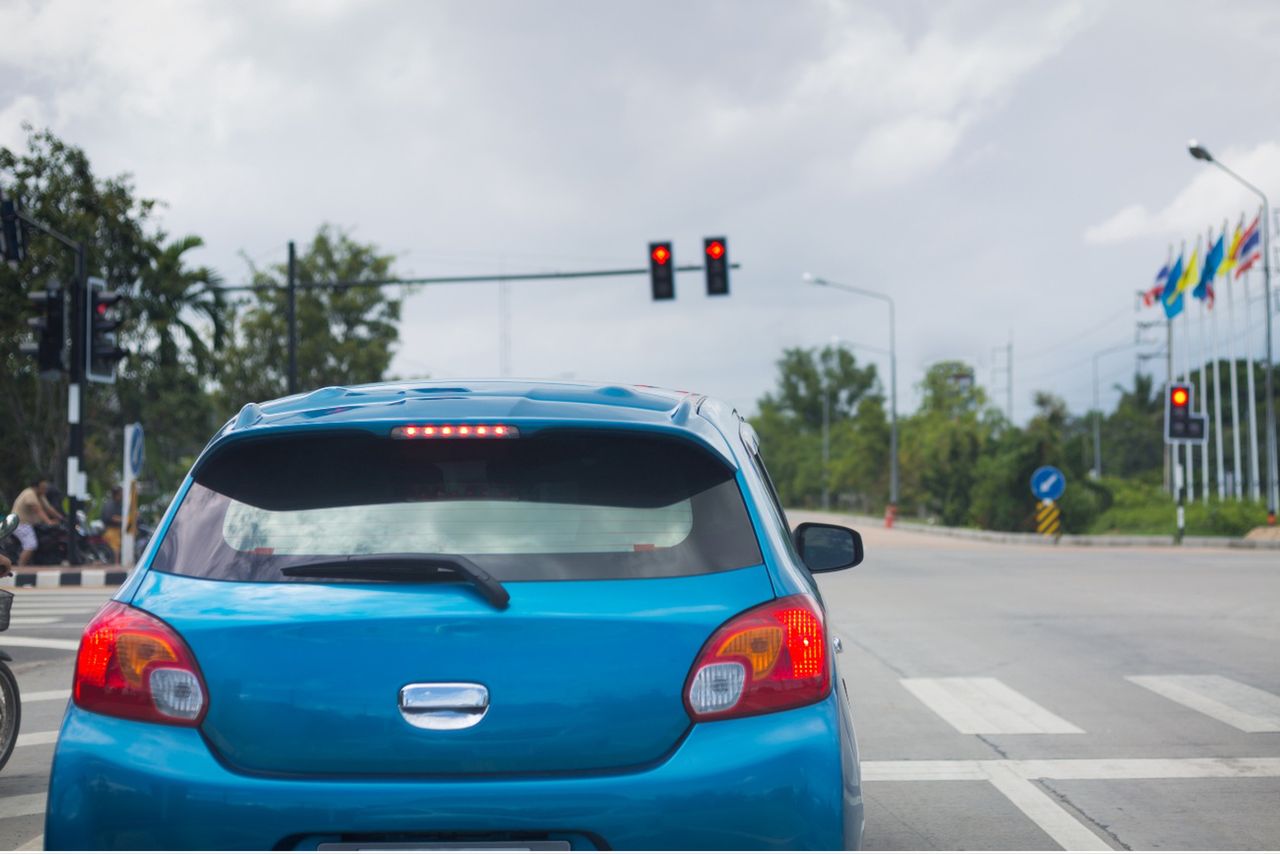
pixel 1186 377
pixel 1217 401
pixel 1237 469
pixel 1170 451
pixel 1204 406
pixel 1255 486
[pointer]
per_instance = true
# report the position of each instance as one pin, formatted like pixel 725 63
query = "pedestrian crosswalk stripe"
pixel 14 806
pixel 986 706
pixel 1233 703
pixel 34 739
pixel 46 609
pixel 39 643
pixel 39 696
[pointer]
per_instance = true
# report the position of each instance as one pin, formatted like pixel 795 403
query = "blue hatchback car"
pixel 481 615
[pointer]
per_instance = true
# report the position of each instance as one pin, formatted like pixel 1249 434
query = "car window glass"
pixel 557 505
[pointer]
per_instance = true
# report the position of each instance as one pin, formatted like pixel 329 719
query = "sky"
pixel 1005 171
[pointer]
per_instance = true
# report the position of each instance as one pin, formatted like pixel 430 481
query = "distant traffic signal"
pixel 13 233
pixel 101 350
pixel 662 271
pixel 1181 424
pixel 50 328
pixel 715 251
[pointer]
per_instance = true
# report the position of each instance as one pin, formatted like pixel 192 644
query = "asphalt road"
pixel 44 632
pixel 1082 698
pixel 1005 697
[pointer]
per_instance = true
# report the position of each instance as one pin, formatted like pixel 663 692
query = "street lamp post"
pixel 1199 152
pixel 893 381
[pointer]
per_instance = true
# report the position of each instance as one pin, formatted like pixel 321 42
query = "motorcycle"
pixel 10 701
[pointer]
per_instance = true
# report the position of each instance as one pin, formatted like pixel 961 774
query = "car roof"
pixel 520 401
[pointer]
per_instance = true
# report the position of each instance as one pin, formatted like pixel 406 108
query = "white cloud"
pixel 1207 199
pixel 23 109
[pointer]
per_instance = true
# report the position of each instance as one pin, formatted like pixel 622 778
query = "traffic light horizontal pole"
pixel 52 232
pixel 459 280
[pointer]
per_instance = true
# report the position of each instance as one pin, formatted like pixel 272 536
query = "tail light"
pixel 133 665
pixel 770 658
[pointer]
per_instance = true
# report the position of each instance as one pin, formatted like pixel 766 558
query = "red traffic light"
pixel 1179 396
pixel 661 254
pixel 715 249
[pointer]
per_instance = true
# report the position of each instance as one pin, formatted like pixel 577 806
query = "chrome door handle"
pixel 444 705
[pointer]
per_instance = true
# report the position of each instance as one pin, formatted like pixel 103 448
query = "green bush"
pixel 1143 508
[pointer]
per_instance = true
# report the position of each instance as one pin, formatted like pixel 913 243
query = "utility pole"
pixel 292 312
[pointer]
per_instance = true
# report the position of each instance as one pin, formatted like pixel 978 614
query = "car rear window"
pixel 551 505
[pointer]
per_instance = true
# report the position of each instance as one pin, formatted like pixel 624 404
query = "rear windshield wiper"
pixel 403 567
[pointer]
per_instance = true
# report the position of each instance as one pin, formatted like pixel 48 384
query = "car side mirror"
pixel 826 548
pixel 8 525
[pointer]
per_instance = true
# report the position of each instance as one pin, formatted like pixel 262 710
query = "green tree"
pixel 345 335
pixel 943 442
pixel 790 427
pixel 177 325
pixel 57 186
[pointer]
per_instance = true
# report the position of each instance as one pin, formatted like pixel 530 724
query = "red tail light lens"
pixel 133 665
pixel 770 658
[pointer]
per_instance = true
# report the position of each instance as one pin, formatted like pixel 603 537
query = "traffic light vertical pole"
pixel 80 333
pixel 292 314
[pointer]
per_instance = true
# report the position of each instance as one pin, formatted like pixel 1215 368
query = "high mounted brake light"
pixel 454 431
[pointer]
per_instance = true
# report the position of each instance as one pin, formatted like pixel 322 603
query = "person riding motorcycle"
pixel 33 508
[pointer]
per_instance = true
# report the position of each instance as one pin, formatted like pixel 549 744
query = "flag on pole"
pixel 1191 274
pixel 1151 294
pixel 1204 290
pixel 1233 249
pixel 1171 297
pixel 1250 247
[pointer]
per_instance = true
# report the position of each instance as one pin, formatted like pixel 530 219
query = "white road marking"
pixel 931 770
pixel 1012 778
pixel 66 611
pixel 985 706
pixel 35 844
pixel 1234 703
pixel 33 621
pixel 35 739
pixel 18 805
pixel 41 696
pixel 39 643
pixel 1045 812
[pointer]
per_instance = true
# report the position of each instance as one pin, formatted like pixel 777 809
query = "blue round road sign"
pixel 136 449
pixel 1048 483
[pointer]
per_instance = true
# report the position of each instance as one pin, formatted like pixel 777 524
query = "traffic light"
pixel 1181 424
pixel 662 271
pixel 716 257
pixel 101 350
pixel 50 328
pixel 13 233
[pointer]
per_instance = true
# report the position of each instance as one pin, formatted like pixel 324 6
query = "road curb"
pixel 1021 539
pixel 1097 540
pixel 43 577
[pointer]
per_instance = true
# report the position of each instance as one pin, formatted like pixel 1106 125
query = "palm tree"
pixel 170 297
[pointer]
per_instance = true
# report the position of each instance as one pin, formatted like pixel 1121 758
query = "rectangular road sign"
pixel 1048 518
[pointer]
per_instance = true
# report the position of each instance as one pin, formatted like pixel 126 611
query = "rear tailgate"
pixel 622 553
pixel 304 679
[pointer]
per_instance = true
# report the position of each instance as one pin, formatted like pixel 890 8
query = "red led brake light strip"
pixel 454 431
